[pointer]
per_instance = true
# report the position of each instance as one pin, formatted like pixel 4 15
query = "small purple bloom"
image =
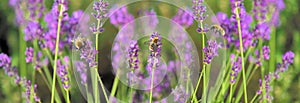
pixel 266 52
pixel 29 54
pixel 199 10
pixel 183 18
pixel 62 72
pixel 236 68
pixel 120 16
pixel 133 55
pixel 210 51
pixel 32 31
pixel 155 49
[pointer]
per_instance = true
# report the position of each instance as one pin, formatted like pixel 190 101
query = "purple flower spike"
pixel 88 53
pixel 5 61
pixel 199 10
pixel 120 17
pixel 62 72
pixel 101 9
pixel 237 67
pixel 288 58
pixel 155 49
pixel 183 18
pixel 266 52
pixel 33 31
pixel 29 54
pixel 133 55
pixel 210 51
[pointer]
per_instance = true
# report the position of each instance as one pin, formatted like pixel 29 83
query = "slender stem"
pixel 102 86
pixel 22 62
pixel 197 86
pixel 254 98
pixel 115 85
pixel 242 52
pixel 230 97
pixel 88 95
pixel 252 73
pixel 56 50
pixel 68 96
pixel 151 87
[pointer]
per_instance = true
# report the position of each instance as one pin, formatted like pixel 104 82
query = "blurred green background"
pixel 286 90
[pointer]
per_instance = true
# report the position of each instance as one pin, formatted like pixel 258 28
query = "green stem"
pixel 197 87
pixel 242 52
pixel 102 86
pixel 56 50
pixel 230 97
pixel 57 98
pixel 253 98
pixel 68 96
pixel 88 95
pixel 115 86
pixel 151 87
pixel 22 62
pixel 95 85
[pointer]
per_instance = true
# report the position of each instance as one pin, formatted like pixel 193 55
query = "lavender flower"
pixel 101 9
pixel 36 8
pixel 262 30
pixel 267 80
pixel 27 84
pixel 266 52
pixel 199 10
pixel 287 59
pixel 29 54
pixel 88 53
pixel 210 51
pixel 180 95
pixel 155 49
pixel 133 55
pixel 101 12
pixel 5 61
pixel 33 31
pixel 236 68
pixel 120 17
pixel 183 18
pixel 62 72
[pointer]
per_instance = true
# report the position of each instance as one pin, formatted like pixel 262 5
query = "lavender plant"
pixel 154 72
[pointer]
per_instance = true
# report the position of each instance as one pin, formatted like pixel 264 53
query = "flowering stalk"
pixel 100 8
pixel 237 10
pixel 199 16
pixel 61 7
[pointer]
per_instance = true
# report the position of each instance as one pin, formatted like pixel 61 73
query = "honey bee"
pixel 79 42
pixel 153 45
pixel 217 29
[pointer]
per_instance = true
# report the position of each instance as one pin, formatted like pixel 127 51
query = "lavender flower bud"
pixel 210 51
pixel 62 72
pixel 29 54
pixel 154 49
pixel 237 67
pixel 199 10
pixel 120 17
pixel 183 18
pixel 266 52
pixel 133 55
